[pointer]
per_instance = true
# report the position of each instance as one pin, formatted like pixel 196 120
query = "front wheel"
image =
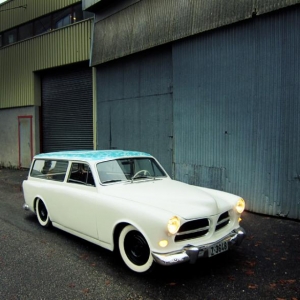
pixel 42 213
pixel 134 250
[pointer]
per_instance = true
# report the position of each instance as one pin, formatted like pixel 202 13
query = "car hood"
pixel 176 197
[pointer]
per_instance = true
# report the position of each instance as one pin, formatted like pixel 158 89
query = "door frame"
pixel 19 137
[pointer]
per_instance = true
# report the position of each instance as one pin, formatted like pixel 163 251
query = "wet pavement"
pixel 265 266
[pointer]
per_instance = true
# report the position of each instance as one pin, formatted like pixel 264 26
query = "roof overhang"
pixel 148 23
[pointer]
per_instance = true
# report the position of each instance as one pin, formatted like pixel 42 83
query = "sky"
pixel 2 1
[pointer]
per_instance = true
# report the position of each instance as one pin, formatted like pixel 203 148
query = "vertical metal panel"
pixel 135 104
pixel 150 23
pixel 64 46
pixel 289 173
pixel 236 109
pixel 34 9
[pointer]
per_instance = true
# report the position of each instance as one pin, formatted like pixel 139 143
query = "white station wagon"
pixel 125 201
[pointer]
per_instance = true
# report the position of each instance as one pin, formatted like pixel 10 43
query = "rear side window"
pixel 49 169
pixel 80 173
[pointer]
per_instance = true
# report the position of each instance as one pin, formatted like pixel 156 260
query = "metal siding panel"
pixel 20 60
pixel 236 109
pixel 142 124
pixel 33 10
pixel 146 73
pixel 134 104
pixel 289 117
pixel 150 23
pixel 265 6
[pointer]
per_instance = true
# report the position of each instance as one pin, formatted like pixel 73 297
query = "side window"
pixel 25 31
pixel 80 173
pixel 10 36
pixel 42 25
pixel 110 171
pixel 49 169
pixel 62 18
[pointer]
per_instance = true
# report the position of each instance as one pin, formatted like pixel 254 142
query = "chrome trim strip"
pixel 223 221
pixel 192 231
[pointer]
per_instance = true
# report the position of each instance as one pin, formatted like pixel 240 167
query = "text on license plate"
pixel 217 248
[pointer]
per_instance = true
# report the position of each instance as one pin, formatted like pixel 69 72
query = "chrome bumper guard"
pixel 192 253
pixel 25 206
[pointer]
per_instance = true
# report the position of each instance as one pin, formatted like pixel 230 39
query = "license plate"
pixel 217 248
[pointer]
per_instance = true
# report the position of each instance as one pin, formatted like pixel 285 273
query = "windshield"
pixel 129 169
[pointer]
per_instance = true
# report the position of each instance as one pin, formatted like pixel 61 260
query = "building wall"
pixel 19 84
pixel 22 62
pixel 150 23
pixel 236 111
pixel 134 104
pixel 9 133
pixel 16 12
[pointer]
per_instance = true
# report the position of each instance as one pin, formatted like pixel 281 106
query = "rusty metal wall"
pixel 14 13
pixel 236 111
pixel 19 61
pixel 150 23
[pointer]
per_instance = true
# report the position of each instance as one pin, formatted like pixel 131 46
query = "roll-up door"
pixel 67 109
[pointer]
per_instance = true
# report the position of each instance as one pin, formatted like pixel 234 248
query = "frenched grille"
pixel 198 228
pixel 223 220
pixel 192 229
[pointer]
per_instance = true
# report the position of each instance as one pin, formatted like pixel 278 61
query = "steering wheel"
pixel 140 172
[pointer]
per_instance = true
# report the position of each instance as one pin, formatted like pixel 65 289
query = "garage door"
pixel 67 109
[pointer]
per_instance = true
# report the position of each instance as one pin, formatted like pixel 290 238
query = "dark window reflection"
pixel 62 18
pixel 10 36
pixel 25 31
pixel 42 25
pixel 77 13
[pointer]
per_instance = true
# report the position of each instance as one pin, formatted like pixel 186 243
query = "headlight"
pixel 173 225
pixel 240 205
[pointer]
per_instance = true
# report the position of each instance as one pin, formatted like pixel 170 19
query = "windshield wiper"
pixel 113 180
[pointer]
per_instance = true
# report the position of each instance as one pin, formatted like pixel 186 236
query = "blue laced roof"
pixel 91 155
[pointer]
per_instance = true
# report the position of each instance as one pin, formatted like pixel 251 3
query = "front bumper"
pixel 192 253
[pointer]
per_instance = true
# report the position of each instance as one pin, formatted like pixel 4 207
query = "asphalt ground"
pixel 265 266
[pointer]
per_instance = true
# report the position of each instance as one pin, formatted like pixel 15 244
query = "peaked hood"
pixel 176 197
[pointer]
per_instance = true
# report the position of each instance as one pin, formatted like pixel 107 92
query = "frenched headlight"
pixel 240 205
pixel 173 225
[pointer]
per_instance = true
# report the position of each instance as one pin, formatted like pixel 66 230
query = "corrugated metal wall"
pixel 18 61
pixel 11 16
pixel 134 104
pixel 150 23
pixel 236 111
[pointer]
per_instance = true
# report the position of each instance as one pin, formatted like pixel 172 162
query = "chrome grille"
pixel 192 229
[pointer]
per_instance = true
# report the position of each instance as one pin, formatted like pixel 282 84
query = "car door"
pixel 79 201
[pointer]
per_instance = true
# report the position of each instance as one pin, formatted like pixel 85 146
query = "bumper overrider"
pixel 25 206
pixel 192 253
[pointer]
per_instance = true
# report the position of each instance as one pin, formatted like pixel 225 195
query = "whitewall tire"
pixel 42 213
pixel 134 250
